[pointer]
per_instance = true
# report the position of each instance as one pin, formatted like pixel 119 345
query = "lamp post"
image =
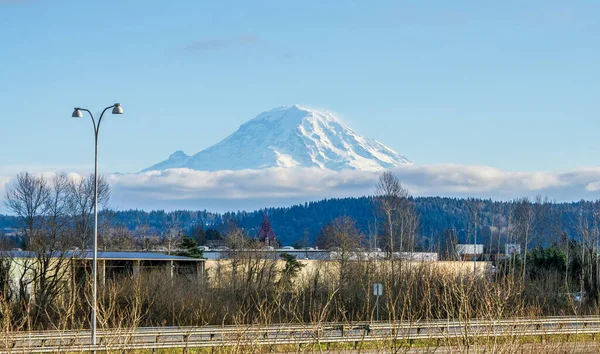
pixel 475 250
pixel 78 113
pixel 456 233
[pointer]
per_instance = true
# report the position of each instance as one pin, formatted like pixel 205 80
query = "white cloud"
pixel 250 189
pixel 3 182
pixel 482 180
pixel 593 187
pixel 237 189
pixel 269 183
pixel 11 170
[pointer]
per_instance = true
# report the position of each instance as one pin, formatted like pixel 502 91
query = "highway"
pixel 294 334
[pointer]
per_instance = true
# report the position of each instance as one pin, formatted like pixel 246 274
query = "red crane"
pixel 265 232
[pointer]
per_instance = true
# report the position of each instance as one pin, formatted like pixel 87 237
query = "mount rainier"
pixel 290 136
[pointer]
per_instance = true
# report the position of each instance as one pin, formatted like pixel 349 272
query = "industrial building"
pixel 74 267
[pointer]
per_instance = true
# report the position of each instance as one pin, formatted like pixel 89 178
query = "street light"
pixel 78 113
pixel 456 233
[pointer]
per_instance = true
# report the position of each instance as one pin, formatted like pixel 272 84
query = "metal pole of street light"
pixel 475 251
pixel 456 233
pixel 77 113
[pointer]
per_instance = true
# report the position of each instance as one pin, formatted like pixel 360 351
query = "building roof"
pixel 147 256
pixel 113 256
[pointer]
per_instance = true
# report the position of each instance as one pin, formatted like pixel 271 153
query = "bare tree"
pixel 173 234
pixel 474 207
pixel 542 227
pixel 449 245
pixel 589 233
pixel 341 236
pixel 81 205
pixel 40 203
pixel 6 264
pixel 236 238
pixel 400 219
pixel 372 228
pixel 142 234
pixel 51 258
pixel 118 239
pixel 27 197
pixel 524 221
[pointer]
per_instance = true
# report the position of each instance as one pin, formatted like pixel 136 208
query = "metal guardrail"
pixel 290 334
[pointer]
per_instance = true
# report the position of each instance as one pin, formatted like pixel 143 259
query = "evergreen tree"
pixel 189 248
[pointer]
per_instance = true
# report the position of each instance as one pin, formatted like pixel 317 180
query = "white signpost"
pixel 377 291
pixel 511 249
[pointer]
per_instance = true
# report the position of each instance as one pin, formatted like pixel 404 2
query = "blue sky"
pixel 512 84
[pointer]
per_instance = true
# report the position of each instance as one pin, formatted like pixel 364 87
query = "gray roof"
pixel 140 256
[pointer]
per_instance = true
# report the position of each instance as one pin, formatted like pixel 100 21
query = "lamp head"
pixel 117 109
pixel 77 113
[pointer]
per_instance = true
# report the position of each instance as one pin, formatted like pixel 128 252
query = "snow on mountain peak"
pixel 178 155
pixel 294 114
pixel 290 136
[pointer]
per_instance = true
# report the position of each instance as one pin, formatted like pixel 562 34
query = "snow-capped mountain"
pixel 290 136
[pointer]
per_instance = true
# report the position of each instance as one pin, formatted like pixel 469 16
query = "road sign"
pixel 377 289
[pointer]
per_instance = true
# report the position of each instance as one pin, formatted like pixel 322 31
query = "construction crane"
pixel 265 232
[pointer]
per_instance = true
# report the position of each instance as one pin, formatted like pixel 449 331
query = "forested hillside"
pixel 300 224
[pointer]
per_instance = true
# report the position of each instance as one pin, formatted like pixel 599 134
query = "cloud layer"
pixel 251 189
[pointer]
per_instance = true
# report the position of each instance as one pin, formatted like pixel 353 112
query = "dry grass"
pixel 250 292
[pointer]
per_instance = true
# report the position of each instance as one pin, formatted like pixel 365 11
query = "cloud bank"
pixel 252 189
